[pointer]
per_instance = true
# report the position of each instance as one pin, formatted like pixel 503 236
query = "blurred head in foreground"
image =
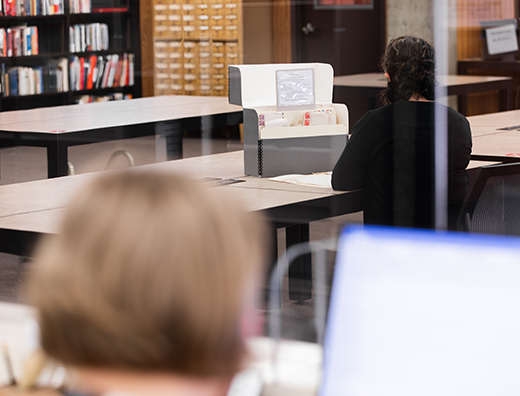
pixel 149 272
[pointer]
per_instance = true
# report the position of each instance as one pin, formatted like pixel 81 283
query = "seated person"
pixel 390 153
pixel 147 289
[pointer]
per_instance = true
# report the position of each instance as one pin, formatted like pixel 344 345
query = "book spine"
pixel 113 66
pixel 28 40
pixel 11 8
pixel 39 82
pixel 32 81
pixel 108 68
pixel 17 41
pixel 77 38
pixel 123 78
pixel 21 81
pixel 72 46
pixel 2 42
pixel 13 82
pixel 101 68
pixel 88 38
pixel 7 85
pixel 72 73
pixel 34 36
pixel 131 69
pixel 53 76
pixel 5 90
pixel 64 67
pixel 86 72
pixel 117 73
pixel 95 72
pixel 9 42
pixel 93 60
pixel 81 68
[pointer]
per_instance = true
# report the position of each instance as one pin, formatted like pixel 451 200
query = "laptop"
pixel 417 312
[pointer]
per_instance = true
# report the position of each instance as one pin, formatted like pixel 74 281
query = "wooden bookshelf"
pixel 123 37
pixel 188 44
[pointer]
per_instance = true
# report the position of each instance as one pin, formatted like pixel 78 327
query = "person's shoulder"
pixel 452 113
pixel 379 114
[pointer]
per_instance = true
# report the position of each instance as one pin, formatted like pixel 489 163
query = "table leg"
pixel 172 131
pixel 300 272
pixel 505 99
pixel 57 160
pixel 206 125
pixel 272 258
pixel 462 104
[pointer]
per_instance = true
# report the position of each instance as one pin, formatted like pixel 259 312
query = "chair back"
pixel 492 205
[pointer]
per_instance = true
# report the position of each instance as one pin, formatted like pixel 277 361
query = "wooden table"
pixel 58 128
pixel 34 208
pixel 488 66
pixel 491 141
pixel 31 209
pixel 370 84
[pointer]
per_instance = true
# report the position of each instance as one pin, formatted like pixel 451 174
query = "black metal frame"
pixel 480 177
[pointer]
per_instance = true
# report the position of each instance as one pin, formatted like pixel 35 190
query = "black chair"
pixel 492 205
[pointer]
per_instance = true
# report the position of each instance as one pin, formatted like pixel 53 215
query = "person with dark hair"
pixel 391 150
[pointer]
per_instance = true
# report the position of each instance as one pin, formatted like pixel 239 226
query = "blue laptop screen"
pixel 423 313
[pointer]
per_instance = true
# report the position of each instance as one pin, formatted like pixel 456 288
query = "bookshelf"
pixel 76 57
pixel 188 44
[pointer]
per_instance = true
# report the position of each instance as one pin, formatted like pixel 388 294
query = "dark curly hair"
pixel 411 65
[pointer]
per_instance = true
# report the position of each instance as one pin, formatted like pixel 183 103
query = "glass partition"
pixel 178 53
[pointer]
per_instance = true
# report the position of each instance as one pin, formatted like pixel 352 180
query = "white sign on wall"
pixel 501 40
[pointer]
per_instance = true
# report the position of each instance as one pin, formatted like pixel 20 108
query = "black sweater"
pixel 390 155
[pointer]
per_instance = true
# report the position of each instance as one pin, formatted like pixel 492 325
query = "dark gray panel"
pixel 235 86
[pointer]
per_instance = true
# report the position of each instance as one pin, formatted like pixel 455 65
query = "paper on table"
pixel 322 180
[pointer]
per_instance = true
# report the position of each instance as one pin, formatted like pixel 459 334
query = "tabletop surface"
pixel 72 118
pixel 378 80
pixel 489 139
pixel 38 205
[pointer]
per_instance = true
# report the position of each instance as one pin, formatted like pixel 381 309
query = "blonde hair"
pixel 149 271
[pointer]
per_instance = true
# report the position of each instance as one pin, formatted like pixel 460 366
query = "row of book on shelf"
pixel 51 78
pixel 23 40
pixel 87 6
pixel 31 7
pixel 94 72
pixel 80 6
pixel 19 41
pixel 55 7
pixel 90 37
pixel 102 98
